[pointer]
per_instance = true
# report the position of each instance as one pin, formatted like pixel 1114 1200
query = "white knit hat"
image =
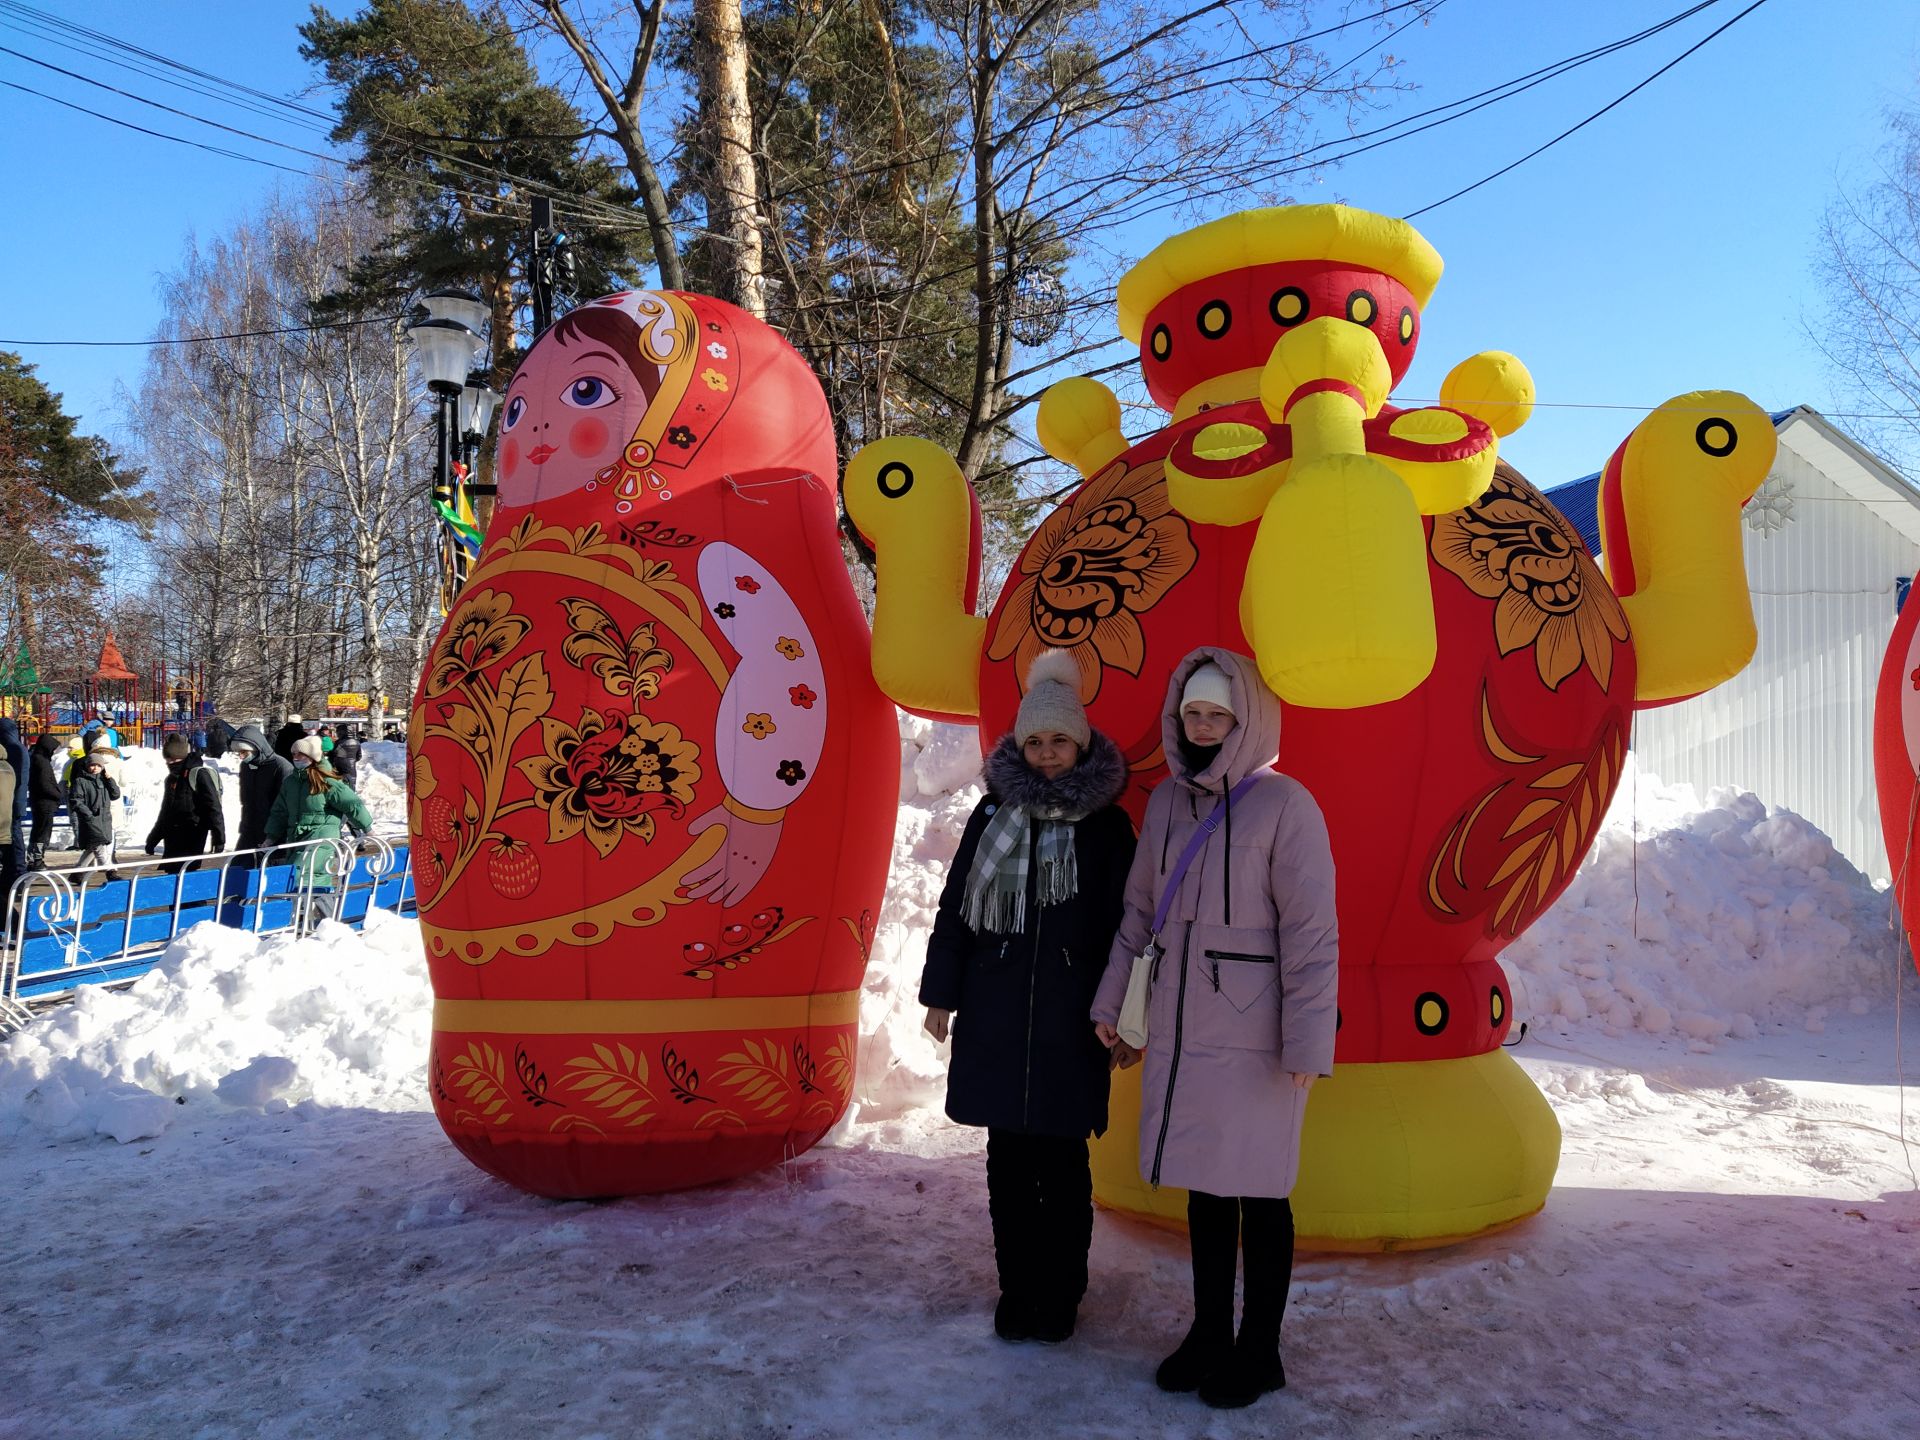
pixel 1208 685
pixel 293 720
pixel 1052 703
pixel 103 745
pixel 310 746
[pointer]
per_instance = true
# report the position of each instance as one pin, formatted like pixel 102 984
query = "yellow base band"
pixel 645 1017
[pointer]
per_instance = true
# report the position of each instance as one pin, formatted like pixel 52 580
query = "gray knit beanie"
pixel 1052 702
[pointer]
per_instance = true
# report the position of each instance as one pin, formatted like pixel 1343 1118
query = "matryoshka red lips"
pixel 540 454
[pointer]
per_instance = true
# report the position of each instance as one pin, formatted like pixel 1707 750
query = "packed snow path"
pixel 227 1212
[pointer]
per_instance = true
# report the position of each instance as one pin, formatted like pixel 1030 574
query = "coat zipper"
pixel 1033 971
pixel 1179 1012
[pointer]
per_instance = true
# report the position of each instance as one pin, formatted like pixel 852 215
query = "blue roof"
pixel 1579 500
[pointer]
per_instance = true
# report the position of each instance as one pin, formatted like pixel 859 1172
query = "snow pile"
pixel 900 1067
pixel 338 1018
pixel 389 757
pixel 1721 918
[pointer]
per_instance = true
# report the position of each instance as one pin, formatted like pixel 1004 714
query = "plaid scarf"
pixel 997 884
pixel 1007 854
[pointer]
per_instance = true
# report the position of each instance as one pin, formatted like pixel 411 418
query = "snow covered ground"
pixel 230 1213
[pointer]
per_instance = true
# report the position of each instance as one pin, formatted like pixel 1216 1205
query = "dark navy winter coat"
pixel 1025 1056
pixel 260 782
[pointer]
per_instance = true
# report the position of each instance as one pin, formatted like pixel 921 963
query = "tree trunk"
pixel 733 210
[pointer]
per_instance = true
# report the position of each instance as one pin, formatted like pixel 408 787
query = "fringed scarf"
pixel 1009 854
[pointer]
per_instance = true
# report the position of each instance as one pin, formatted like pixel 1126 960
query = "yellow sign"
pixel 347 700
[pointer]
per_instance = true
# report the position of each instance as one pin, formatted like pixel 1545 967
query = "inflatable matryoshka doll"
pixel 652 783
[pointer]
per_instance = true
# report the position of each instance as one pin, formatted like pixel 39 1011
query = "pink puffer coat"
pixel 1245 991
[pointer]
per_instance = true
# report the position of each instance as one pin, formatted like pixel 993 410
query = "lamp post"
pixel 445 344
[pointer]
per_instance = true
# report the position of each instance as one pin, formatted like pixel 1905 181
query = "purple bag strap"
pixel 1200 838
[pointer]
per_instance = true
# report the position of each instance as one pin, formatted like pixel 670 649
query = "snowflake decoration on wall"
pixel 1771 508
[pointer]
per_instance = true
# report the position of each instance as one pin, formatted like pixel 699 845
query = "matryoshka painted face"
pixel 573 406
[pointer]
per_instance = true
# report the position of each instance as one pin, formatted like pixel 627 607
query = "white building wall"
pixel 1796 727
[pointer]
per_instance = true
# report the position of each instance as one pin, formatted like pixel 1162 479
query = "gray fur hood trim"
pixel 1095 783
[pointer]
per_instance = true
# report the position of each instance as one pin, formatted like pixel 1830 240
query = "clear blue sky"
pixel 1669 246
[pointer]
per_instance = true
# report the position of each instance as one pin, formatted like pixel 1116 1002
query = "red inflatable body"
pixel 1458 814
pixel 1896 759
pixel 652 783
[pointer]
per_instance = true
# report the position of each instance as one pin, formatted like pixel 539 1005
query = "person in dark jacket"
pixel 345 755
pixel 262 773
pixel 219 736
pixel 15 846
pixel 1026 920
pixel 284 737
pixel 44 795
pixel 90 801
pixel 189 805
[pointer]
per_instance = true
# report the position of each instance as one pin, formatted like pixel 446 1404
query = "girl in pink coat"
pixel 1242 1011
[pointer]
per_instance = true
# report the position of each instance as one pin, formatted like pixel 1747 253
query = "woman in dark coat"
pixel 45 795
pixel 1027 918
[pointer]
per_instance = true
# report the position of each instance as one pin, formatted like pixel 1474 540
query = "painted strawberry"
pixel 427 872
pixel 437 812
pixel 513 868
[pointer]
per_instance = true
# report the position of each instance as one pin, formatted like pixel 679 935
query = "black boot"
pixel 1213 1231
pixel 1014 1207
pixel 36 857
pixel 1066 1235
pixel 1255 1369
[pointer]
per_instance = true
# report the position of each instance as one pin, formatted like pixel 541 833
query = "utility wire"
pixel 1619 100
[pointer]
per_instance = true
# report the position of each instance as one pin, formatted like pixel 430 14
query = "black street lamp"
pixel 446 344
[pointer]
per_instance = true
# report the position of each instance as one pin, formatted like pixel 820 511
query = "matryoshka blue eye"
pixel 516 407
pixel 590 392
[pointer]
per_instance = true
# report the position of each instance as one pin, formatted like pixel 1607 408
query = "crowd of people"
pixel 297 789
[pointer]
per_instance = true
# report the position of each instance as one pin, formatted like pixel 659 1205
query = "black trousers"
pixel 1219 1227
pixel 43 815
pixel 1040 1195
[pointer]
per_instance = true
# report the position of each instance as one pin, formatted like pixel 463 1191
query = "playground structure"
pixel 143 708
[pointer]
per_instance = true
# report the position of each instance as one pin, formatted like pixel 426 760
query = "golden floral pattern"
pixel 629 666
pixel 1511 546
pixel 481 630
pixel 1093 568
pixel 790 647
pixel 606 775
pixel 760 726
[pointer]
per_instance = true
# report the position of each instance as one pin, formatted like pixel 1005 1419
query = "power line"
pixel 203 339
pixel 1488 179
pixel 157 134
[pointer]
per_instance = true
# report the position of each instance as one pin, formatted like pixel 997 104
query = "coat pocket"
pixel 1233 988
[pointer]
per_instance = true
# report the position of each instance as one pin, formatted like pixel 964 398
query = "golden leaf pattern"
pixel 1519 843
pixel 480 1074
pixel 613 1080
pixel 762 1076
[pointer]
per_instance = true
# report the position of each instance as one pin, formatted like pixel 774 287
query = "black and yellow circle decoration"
pixel 1430 1014
pixel 1362 307
pixel 1716 436
pixel 894 479
pixel 1406 325
pixel 1288 306
pixel 1161 342
pixel 1497 1007
pixel 1215 319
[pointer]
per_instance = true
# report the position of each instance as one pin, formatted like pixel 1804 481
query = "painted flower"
pixel 680 436
pixel 790 771
pixel 482 630
pixel 713 379
pixel 759 726
pixel 1512 547
pixel 790 648
pixel 716 350
pixel 746 584
pixel 607 775
pixel 1092 569
pixel 802 696
pixel 1915 678
pixel 724 610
